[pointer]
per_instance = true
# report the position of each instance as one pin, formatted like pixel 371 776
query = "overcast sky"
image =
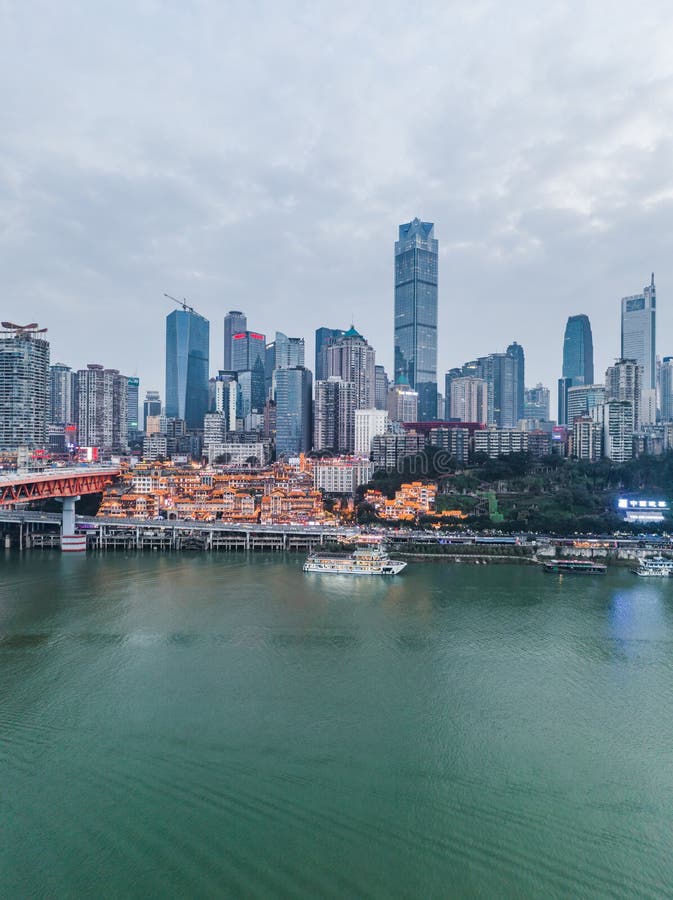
pixel 260 156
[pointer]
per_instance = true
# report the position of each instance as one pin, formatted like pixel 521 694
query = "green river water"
pixel 226 726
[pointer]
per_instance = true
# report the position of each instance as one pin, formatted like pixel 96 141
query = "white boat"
pixel 368 559
pixel 655 565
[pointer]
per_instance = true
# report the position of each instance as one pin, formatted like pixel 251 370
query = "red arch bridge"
pixel 67 485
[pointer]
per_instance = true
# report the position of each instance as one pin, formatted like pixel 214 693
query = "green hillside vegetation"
pixel 549 494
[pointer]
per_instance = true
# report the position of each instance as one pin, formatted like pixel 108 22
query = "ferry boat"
pixel 368 559
pixel 577 566
pixel 654 565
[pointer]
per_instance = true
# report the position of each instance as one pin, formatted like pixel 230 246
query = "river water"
pixel 223 726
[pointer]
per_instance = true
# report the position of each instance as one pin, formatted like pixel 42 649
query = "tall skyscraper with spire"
pixel 416 269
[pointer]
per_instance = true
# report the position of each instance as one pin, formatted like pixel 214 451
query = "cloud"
pixel 261 157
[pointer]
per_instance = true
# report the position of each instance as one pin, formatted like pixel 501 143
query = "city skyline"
pixel 579 320
pixel 541 212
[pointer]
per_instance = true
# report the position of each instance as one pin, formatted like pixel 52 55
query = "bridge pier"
pixel 71 542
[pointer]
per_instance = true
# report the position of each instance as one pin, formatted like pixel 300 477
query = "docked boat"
pixel 576 566
pixel 658 566
pixel 368 559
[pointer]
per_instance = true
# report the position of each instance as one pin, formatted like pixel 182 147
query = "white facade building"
pixel 616 419
pixel 469 399
pixel 623 382
pixel 238 454
pixel 587 439
pixel 368 424
pixel 402 403
pixel 341 476
pixel 497 442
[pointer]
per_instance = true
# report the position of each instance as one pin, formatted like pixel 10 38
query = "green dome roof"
pixel 352 332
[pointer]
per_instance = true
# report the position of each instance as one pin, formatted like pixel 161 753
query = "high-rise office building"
pixel 102 397
pixel 578 350
pixel 187 356
pixel 234 323
pixel 416 273
pixel 282 353
pixel 250 396
pixel 402 402
pixel 324 336
pixel 564 385
pixel 666 388
pixel 639 314
pixel 24 390
pixel 469 399
pixel 325 414
pixel 292 392
pixel 226 397
pixel 151 407
pixel 515 351
pixel 587 439
pixel 381 385
pixel 351 359
pixel 368 424
pixel 617 422
pixel 622 384
pixel 475 368
pixel 500 373
pixel 62 395
pixel 249 347
pixel 132 403
pixel 578 360
pixel 639 332
pixel 536 403
pixel 582 399
pixel 334 415
pixel 449 378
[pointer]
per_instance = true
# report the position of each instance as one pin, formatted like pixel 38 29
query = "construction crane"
pixel 183 303
pixel 23 329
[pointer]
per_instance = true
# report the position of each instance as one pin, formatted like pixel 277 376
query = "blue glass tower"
pixel 578 361
pixel 416 256
pixel 292 391
pixel 515 351
pixel 323 337
pixel 578 351
pixel 187 353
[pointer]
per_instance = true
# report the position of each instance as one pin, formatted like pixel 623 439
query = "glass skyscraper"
pixel 132 407
pixel 292 391
pixel 24 389
pixel 515 351
pixel 187 356
pixel 323 336
pixel 151 406
pixel 62 394
pixel 578 351
pixel 578 361
pixel 282 353
pixel 234 322
pixel 639 332
pixel 667 389
pixel 416 267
